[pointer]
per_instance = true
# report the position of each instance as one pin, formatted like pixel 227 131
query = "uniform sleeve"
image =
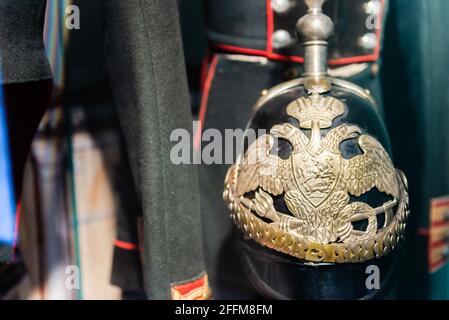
pixel 145 60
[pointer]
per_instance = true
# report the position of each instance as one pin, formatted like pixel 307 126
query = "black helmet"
pixel 315 193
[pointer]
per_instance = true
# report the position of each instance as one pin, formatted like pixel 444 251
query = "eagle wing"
pixel 371 169
pixel 259 168
pixel 297 138
pixel 334 137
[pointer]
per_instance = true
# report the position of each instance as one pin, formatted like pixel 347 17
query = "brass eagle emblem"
pixel 316 181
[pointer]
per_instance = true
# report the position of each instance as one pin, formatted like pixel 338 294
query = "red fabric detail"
pixel 439 244
pixel 297 59
pixel 205 100
pixel 257 52
pixel 187 287
pixel 126 245
pixel 270 28
pixel 193 290
pixel 440 223
pixel 355 59
pixel 268 53
pixel 441 203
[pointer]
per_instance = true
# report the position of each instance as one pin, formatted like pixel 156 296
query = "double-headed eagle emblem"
pixel 316 181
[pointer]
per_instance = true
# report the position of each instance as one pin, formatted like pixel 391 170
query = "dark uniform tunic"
pixel 145 60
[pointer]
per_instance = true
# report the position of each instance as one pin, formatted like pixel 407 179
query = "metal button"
pixel 372 7
pixel 281 6
pixel 282 39
pixel 368 41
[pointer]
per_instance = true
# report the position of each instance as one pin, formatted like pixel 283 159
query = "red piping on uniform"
pixel 188 287
pixel 355 59
pixel 205 100
pixel 297 59
pixel 280 57
pixel 257 52
pixel 248 51
pixel 270 28
pixel 269 54
pixel 126 245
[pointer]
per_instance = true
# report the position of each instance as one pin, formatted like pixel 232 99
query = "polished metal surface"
pixel 303 248
pixel 282 38
pixel 373 7
pixel 280 88
pixel 316 183
pixel 323 192
pixel 368 41
pixel 281 6
pixel 314 30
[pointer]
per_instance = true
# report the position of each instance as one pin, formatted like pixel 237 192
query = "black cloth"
pixel 145 60
pixel 25 104
pixel 22 53
pixel 87 85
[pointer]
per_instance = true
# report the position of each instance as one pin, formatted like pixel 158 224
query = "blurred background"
pixel 79 181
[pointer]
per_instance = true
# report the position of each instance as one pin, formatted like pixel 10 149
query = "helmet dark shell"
pixel 322 201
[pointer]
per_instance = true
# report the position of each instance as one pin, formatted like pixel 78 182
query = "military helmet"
pixel 315 194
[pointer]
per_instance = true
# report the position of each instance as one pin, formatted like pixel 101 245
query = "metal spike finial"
pixel 314 30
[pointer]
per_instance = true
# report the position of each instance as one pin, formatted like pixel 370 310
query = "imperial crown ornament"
pixel 319 186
